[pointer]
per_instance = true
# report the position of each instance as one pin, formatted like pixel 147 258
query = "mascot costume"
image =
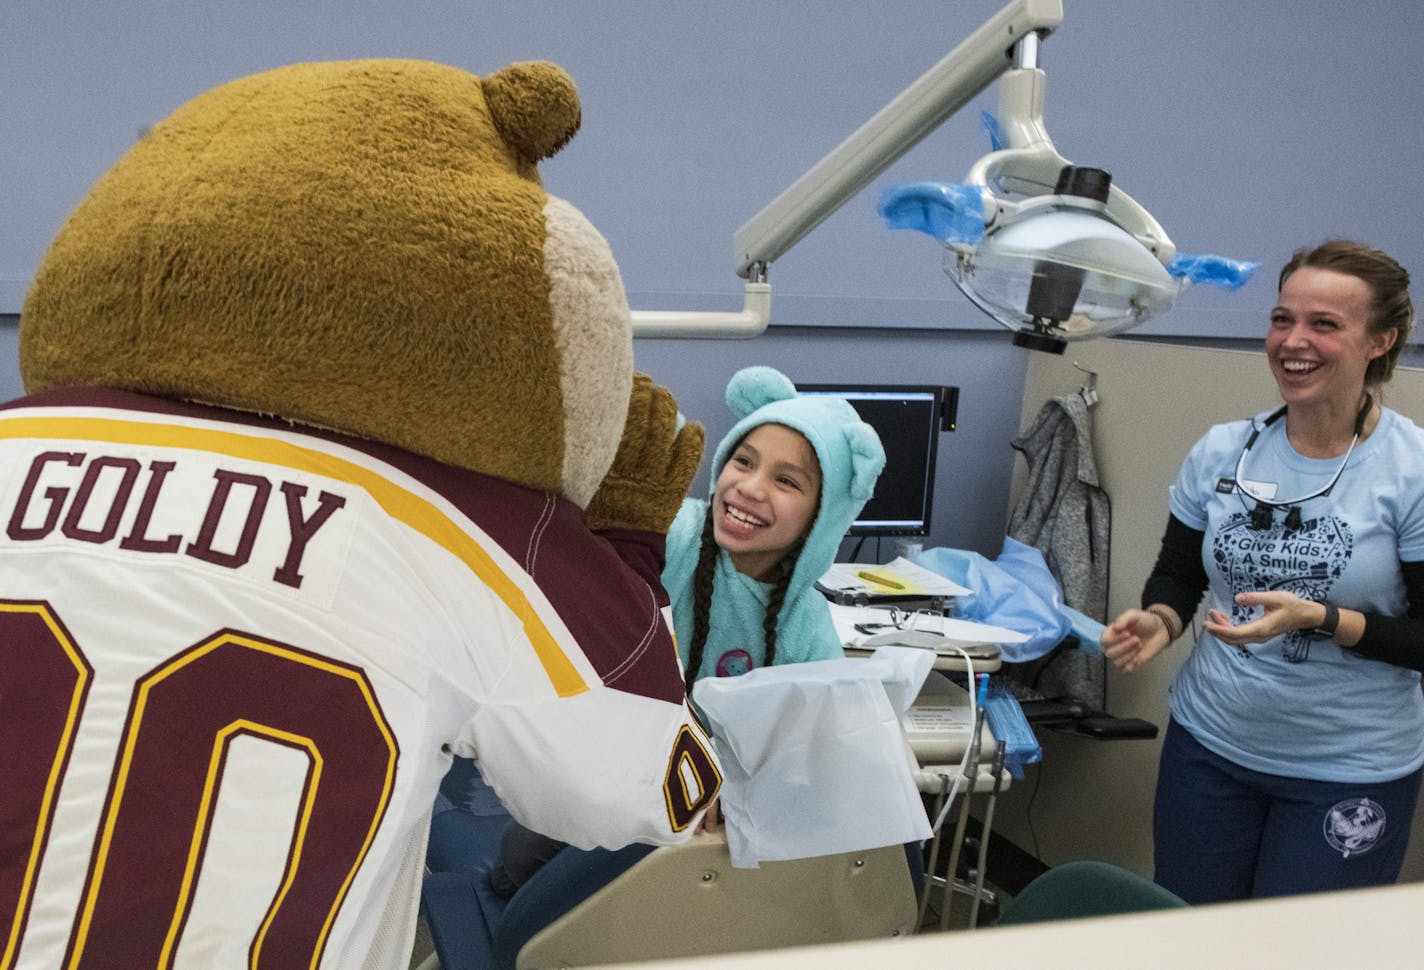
pixel 333 465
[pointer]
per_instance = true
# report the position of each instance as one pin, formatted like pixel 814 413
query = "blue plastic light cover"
pixel 949 211
pixel 1088 630
pixel 1228 274
pixel 991 126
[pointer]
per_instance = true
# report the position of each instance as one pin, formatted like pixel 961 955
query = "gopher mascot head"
pixel 362 246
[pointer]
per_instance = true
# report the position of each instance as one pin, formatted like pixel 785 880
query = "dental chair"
pixel 639 903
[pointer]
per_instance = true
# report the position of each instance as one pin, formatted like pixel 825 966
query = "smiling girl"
pixel 788 480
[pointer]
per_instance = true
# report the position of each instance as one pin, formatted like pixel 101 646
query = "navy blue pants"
pixel 1224 832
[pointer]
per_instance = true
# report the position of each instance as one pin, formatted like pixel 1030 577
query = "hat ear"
pixel 752 388
pixel 867 458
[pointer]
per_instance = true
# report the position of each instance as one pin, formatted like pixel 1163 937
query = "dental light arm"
pixel 1071 256
pixel 918 110
pixel 961 75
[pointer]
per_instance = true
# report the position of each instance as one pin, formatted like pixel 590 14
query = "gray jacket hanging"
pixel 1063 510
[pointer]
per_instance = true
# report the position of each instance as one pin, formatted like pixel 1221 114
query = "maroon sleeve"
pixel 645 553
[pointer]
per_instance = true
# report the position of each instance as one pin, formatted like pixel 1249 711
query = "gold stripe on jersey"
pixel 400 503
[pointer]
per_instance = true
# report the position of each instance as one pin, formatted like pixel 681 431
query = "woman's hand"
pixel 1134 638
pixel 1282 612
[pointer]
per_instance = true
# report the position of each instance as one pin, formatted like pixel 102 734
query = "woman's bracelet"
pixel 1169 621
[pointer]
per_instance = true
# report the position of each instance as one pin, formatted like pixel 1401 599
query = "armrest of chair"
pixel 688 900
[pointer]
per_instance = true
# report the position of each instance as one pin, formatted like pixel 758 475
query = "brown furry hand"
pixel 653 467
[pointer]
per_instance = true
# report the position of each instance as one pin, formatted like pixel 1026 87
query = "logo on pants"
pixel 1354 826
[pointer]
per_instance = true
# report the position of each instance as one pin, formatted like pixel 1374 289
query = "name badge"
pixel 1262 490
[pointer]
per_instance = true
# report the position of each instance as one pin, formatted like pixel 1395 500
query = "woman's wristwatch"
pixel 1327 627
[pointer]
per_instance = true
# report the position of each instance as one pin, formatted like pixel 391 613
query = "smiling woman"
pixel 1340 324
pixel 1292 760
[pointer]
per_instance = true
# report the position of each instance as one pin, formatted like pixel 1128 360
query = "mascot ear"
pixel 867 458
pixel 535 106
pixel 754 387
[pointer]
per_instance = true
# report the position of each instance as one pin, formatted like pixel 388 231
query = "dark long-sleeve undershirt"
pixel 1178 580
pixel 1398 640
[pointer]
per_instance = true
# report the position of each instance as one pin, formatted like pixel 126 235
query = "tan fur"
pixel 357 245
pixel 591 321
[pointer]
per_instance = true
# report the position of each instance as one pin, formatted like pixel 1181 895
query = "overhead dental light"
pixel 1074 257
pixel 1077 257
pixel 1059 268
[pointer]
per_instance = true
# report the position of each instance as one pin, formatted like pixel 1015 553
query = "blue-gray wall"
pixel 1246 128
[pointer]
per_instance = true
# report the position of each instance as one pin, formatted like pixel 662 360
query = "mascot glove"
pixel 653 467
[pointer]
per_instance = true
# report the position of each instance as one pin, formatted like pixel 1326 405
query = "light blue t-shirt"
pixel 1298 706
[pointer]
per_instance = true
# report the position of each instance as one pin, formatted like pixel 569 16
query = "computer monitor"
pixel 908 419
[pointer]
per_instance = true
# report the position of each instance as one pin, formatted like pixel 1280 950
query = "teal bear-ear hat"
pixel 847 448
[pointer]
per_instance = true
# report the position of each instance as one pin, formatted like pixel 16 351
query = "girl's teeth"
pixel 740 517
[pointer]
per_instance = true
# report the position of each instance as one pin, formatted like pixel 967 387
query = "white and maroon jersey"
pixel 236 658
